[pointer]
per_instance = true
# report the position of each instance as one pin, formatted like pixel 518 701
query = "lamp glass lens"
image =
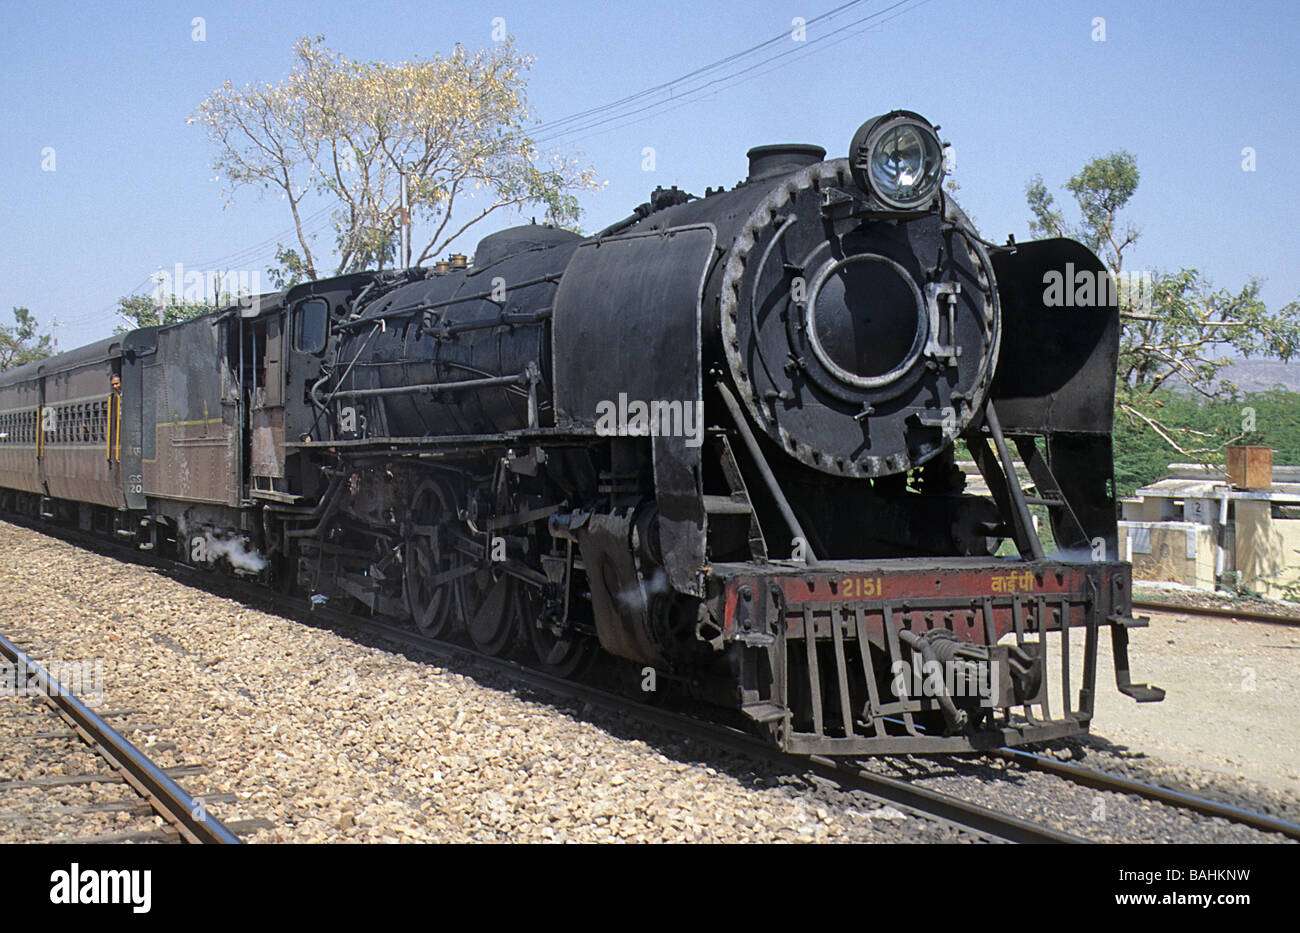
pixel 906 163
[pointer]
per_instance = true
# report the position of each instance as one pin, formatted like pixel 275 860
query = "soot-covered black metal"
pixel 713 447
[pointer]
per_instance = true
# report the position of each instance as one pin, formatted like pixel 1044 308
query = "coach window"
pixel 309 325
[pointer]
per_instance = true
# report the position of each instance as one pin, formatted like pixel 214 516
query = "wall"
pixel 1176 552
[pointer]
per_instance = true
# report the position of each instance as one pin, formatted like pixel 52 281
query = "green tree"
pixel 143 311
pixel 347 131
pixel 1265 418
pixel 1101 190
pixel 20 343
pixel 1178 330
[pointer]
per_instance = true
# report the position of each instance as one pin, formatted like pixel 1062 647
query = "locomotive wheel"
pixel 433 608
pixel 563 655
pixel 494 627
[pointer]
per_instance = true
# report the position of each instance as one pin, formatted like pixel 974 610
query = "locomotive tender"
pixel 716 439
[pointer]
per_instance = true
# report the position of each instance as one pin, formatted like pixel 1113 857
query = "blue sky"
pixel 1018 87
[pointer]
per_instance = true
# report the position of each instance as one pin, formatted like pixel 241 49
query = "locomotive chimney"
pixel 770 161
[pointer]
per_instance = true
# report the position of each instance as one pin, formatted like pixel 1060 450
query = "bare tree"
pixel 349 131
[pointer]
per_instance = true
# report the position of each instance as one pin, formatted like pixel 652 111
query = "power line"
pixel 618 110
pixel 313 223
pixel 556 124
pixel 256 249
pixel 626 111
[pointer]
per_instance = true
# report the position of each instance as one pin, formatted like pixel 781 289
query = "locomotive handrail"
pixel 459 386
pixel 505 320
pixel 773 486
pixel 416 309
pixel 1013 483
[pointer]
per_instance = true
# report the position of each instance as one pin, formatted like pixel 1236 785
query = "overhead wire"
pixel 666 85
pixel 685 89
pixel 796 50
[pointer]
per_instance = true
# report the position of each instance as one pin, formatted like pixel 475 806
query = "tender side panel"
pixel 191 439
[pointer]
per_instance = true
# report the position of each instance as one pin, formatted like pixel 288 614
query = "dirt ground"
pixel 1232 694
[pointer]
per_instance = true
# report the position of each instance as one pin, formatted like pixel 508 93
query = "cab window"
pixel 310 320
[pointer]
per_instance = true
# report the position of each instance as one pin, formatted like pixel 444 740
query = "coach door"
pixel 112 432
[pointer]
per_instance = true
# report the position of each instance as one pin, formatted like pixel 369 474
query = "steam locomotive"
pixel 715 443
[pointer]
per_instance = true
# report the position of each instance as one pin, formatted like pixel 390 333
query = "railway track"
pixel 1100 780
pixel 944 809
pixel 186 818
pixel 949 810
pixel 1244 615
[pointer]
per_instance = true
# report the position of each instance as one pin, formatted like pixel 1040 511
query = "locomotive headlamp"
pixel 899 159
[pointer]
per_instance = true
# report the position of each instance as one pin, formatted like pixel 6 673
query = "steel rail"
pixel 1246 615
pixel 1100 780
pixel 166 797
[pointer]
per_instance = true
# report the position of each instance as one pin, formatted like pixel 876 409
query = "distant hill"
pixel 1260 375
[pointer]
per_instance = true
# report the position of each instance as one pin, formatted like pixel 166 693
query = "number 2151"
pixel 862 587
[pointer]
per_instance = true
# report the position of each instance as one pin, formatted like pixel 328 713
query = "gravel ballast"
pixel 334 740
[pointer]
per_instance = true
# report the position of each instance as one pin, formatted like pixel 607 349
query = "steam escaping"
pixel 635 598
pixel 236 550
pixel 203 545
